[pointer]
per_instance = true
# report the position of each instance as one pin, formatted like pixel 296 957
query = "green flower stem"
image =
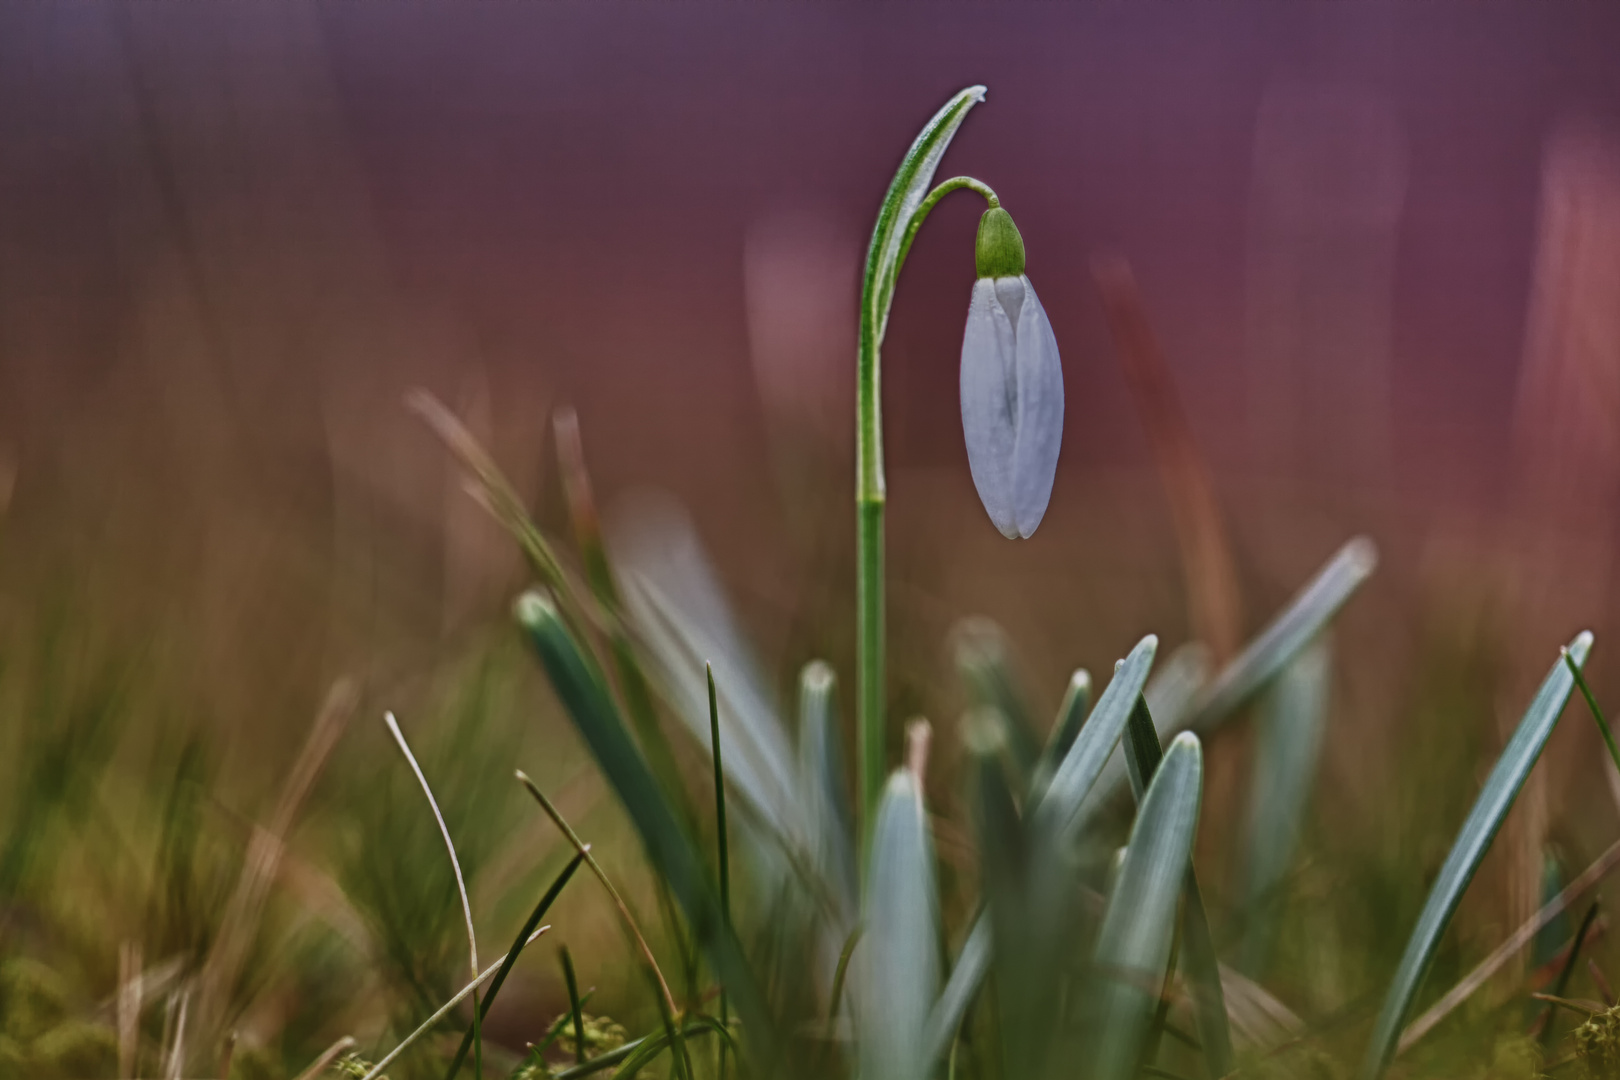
pixel 884 258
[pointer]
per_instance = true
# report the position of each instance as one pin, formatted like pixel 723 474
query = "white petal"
pixel 1039 425
pixel 990 403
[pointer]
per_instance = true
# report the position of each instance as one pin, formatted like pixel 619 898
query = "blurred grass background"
pixel 1380 246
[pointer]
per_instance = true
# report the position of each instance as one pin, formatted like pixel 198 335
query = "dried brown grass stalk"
pixel 240 923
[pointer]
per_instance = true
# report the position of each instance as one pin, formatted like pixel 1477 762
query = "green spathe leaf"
pixel 1484 820
pixel 1133 946
pixel 906 193
pixel 1288 742
pixel 582 690
pixel 896 969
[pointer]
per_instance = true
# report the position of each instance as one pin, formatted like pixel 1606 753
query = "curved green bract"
pixel 906 193
pixel 1484 820
pixel 1133 946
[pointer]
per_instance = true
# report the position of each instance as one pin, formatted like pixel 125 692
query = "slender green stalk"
pixel 1591 703
pixel 720 829
pixel 574 1008
pixel 901 215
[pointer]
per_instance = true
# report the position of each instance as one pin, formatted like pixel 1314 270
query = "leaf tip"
pixel 817 677
pixel 533 608
pixel 1362 554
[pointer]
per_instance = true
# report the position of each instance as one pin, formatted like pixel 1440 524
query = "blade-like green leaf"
pixel 1490 808
pixel 1312 608
pixel 1199 961
pixel 826 798
pixel 582 690
pixel 1133 946
pixel 895 976
pixel 1288 742
pixel 982 661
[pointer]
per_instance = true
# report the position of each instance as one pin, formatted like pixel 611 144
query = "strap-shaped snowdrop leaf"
pixel 681 613
pixel 1484 820
pixel 823 786
pixel 896 974
pixel 1052 821
pixel 1312 608
pixel 1199 961
pixel 1288 742
pixel 1133 946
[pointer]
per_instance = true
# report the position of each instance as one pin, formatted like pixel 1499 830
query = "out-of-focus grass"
pixel 127 815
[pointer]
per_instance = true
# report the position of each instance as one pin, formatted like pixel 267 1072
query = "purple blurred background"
pixel 232 237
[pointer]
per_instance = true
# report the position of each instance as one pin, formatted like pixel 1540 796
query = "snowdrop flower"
pixel 1012 384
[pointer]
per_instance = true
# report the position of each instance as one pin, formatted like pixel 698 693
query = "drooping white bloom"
pixel 1012 387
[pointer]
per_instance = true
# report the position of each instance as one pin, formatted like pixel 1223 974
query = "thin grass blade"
pixel 557 885
pixel 1484 820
